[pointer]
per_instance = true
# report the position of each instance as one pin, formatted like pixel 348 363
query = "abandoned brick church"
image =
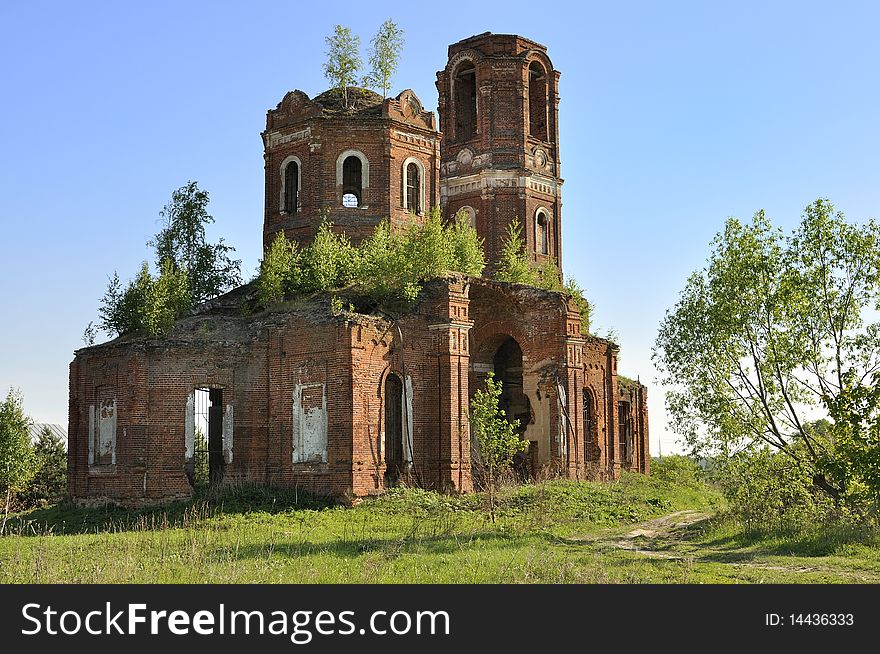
pixel 348 404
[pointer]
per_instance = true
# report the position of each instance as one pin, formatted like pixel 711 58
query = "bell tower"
pixel 499 154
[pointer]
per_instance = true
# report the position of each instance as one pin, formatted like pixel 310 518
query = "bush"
pixel 148 303
pixel 677 469
pixel 386 266
pixel 50 483
pixel 768 491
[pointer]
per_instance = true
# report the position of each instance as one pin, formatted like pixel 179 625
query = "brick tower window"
pixel 542 236
pixel 537 101
pixel 291 187
pixel 413 188
pixel 465 91
pixel 352 189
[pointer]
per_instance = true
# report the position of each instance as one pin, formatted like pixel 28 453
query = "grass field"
pixel 638 530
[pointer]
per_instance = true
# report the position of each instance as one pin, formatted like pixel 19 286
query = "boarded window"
pixel 102 427
pixel 465 90
pixel 291 187
pixel 542 237
pixel 537 101
pixel 310 424
pixel 352 185
pixel 413 188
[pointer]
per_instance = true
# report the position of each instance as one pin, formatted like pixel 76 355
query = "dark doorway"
pixel 508 368
pixel 393 429
pixel 208 461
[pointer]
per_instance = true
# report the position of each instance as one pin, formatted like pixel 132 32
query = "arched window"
pixel 352 178
pixel 625 428
pixel 413 185
pixel 537 101
pixel 542 235
pixel 465 91
pixel 291 183
pixel 291 187
pixel 588 423
pixel 394 420
pixel 470 214
pixel 413 188
pixel 352 184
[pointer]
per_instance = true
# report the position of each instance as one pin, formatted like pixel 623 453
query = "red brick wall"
pixel 510 173
pixel 387 137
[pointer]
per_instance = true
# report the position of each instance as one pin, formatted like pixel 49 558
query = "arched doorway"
pixel 507 365
pixel 393 429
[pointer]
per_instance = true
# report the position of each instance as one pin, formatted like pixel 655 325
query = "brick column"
pixel 453 359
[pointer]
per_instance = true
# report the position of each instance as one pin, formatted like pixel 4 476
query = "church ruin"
pixel 351 404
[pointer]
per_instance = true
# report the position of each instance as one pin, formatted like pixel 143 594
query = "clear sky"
pixel 673 116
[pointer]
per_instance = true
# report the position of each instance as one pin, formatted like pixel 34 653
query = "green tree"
pixel 384 56
pixel 343 59
pixel 329 262
pixel 149 304
pixel 467 246
pixel 18 465
pixel 497 437
pixel 209 267
pixel 50 483
pixel 280 270
pixel 513 266
pixel 576 293
pixel 773 329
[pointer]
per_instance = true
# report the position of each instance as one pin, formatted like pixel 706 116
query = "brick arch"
pixel 485 339
pixel 531 56
pixel 591 436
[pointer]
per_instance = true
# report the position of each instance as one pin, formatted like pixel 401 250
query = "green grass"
pixel 552 532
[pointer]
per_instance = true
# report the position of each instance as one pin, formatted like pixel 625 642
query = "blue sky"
pixel 673 116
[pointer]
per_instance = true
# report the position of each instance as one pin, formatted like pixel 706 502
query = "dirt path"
pixel 656 538
pixel 666 538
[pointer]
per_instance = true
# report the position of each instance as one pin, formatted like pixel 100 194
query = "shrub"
pixel 50 483
pixel 768 491
pixel 280 270
pixel 148 303
pixel 386 266
pixel 677 469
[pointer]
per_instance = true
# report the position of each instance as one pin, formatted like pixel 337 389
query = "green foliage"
pixel 148 304
pixel 576 293
pixel 343 59
pixel 208 266
pixel 386 266
pixel 201 462
pixel 190 270
pixel 677 469
pixel 384 56
pixel 497 437
pixel 18 465
pixel 280 271
pixel 329 262
pixel 49 485
pixel 549 277
pixel 513 266
pixel 467 247
pixel 773 330
pixel 768 491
